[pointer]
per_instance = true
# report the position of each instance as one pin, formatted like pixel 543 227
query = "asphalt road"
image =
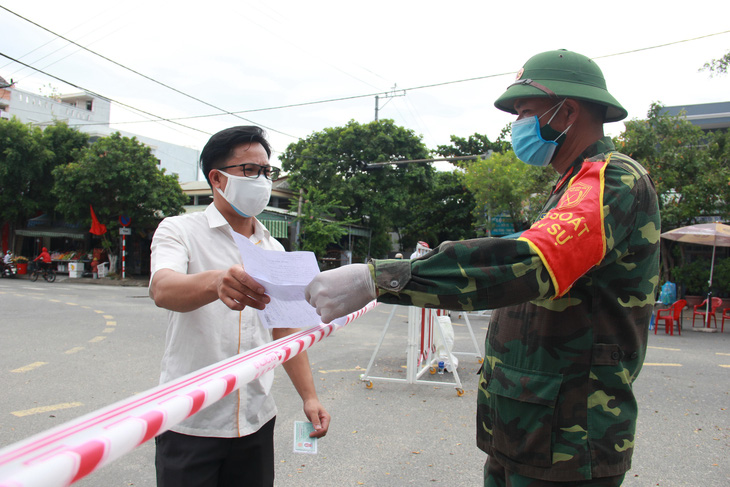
pixel 70 348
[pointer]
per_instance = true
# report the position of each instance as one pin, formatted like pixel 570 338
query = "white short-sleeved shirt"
pixel 194 243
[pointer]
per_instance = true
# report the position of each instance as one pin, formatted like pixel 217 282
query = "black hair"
pixel 220 146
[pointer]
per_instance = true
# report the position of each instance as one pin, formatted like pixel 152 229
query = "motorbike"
pixel 9 270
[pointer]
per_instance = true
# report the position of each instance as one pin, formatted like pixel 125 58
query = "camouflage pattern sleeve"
pixel 483 273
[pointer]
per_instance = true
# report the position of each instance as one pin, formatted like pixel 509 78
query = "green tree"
pixel 23 158
pixel 118 176
pixel 336 161
pixel 717 66
pixel 64 145
pixel 689 167
pixel 502 184
pixel 477 144
pixel 444 213
pixel 319 222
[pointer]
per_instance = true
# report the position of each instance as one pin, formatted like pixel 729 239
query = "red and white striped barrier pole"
pixel 63 455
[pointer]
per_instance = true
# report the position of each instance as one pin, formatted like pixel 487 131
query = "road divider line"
pixel 109 317
pixel 29 367
pixel 111 323
pixel 666 348
pixel 97 339
pixel 71 351
pixel 46 409
pixel 656 364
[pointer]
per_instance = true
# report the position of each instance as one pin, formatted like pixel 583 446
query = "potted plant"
pixel 21 263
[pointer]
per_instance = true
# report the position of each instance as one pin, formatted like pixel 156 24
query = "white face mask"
pixel 247 196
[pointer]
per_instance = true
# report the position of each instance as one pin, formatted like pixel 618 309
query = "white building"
pixel 90 114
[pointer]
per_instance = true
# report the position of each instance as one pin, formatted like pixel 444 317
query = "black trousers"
pixel 195 461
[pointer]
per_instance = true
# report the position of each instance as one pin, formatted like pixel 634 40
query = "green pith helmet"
pixel 561 74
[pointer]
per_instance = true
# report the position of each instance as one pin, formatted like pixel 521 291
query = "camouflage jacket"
pixel 576 293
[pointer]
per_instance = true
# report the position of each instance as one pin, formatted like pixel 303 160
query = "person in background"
pixel 45 259
pixel 574 293
pixel 198 276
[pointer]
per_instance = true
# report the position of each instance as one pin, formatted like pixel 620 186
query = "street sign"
pixel 124 221
pixel 125 231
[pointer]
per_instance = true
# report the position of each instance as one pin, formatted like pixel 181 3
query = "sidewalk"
pixel 131 281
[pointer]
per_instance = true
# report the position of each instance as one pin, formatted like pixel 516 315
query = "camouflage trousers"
pixel 495 475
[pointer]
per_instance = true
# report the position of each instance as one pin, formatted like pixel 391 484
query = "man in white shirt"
pixel 198 276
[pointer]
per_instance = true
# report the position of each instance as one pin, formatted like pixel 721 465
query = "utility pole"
pixel 390 94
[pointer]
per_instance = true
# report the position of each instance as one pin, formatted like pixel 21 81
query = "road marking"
pixel 725 366
pixel 96 339
pixel 55 300
pixel 722 353
pixel 111 323
pixel 340 370
pixel 109 317
pixel 30 367
pixel 47 409
pixel 665 348
pixel 73 350
pixel 108 330
pixel 98 311
pixel 72 304
pixel 662 365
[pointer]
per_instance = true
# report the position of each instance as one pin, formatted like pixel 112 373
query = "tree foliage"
pixel 23 158
pixel 689 167
pixel 717 66
pixel 476 144
pixel 336 161
pixel 502 184
pixel 118 176
pixel 64 145
pixel 318 219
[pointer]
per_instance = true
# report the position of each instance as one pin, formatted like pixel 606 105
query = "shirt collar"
pixel 216 220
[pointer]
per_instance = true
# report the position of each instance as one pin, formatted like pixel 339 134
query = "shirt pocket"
pixel 523 414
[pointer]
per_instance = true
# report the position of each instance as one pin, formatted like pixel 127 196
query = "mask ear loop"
pixel 555 107
pixel 559 106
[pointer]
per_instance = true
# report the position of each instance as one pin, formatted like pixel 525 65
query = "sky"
pixel 298 67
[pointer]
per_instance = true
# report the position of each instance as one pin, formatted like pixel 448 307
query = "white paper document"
pixel 284 275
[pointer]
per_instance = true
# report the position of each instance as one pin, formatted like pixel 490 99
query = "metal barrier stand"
pixel 425 358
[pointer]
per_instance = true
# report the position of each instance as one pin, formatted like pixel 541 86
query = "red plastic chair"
pixel 670 317
pixel 725 316
pixel 701 309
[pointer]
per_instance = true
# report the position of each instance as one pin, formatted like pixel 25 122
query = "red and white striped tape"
pixel 63 455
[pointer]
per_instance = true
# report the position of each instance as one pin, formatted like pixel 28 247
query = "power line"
pixel 162 119
pixel 662 45
pixel 144 75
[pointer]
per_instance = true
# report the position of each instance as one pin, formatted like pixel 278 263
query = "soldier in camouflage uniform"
pixel 575 291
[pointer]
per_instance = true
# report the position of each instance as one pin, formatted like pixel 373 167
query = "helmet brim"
pixel 563 89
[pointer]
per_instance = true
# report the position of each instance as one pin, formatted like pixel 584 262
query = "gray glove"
pixel 340 291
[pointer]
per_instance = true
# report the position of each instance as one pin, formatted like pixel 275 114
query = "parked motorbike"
pixel 9 270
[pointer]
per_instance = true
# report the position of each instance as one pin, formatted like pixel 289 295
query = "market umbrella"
pixel 715 234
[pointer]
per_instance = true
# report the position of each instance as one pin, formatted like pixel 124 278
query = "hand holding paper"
pixel 284 275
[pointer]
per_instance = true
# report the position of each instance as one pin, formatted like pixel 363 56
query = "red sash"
pixel 570 238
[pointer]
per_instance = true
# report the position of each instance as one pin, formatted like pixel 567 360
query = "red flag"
pixel 96 227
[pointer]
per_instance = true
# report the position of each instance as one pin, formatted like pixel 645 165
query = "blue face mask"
pixel 529 143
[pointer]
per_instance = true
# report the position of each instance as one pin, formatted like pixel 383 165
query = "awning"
pixel 52 232
pixel 277 228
